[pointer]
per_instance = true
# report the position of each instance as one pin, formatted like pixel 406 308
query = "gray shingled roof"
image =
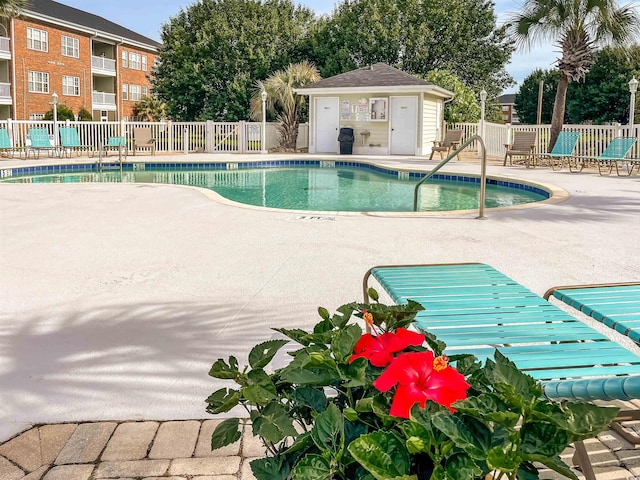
pixel 85 19
pixel 507 98
pixel 377 75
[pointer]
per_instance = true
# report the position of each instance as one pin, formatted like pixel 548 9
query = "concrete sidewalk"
pixel 116 299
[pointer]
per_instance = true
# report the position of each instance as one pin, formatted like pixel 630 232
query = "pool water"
pixel 316 189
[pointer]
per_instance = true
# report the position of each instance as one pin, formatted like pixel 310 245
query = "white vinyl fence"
pixel 171 137
pixel 591 143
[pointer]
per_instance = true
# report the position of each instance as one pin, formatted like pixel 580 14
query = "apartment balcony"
pixel 103 101
pixel 5 48
pixel 103 66
pixel 5 94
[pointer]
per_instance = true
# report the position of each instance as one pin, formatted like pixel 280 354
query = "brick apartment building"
pixel 85 59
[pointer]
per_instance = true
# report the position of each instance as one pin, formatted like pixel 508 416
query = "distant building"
pixel 85 59
pixel 508 106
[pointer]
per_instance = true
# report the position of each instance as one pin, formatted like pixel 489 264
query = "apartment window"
pixel 134 61
pixel 125 61
pixel 37 39
pixel 71 86
pixel 505 108
pixel 38 82
pixel 70 47
pixel 36 116
pixel 144 63
pixel 134 92
pixel 125 91
pixel 145 91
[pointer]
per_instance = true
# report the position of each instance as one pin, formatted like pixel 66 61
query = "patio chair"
pixel 70 142
pixel 562 150
pixel 118 144
pixel 616 153
pixel 476 309
pixel 452 140
pixel 616 305
pixel 142 139
pixel 523 145
pixel 38 140
pixel 6 146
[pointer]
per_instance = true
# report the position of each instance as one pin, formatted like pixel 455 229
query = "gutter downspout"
pixel 14 96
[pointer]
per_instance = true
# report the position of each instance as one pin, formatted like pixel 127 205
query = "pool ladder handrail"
pixel 100 154
pixel 483 174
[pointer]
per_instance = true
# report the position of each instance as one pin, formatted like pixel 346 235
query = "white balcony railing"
pixel 104 64
pixel 5 90
pixel 4 45
pixel 102 98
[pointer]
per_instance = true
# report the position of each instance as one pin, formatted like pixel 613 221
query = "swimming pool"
pixel 310 185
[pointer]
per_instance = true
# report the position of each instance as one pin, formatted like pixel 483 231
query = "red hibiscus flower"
pixel 379 349
pixel 420 377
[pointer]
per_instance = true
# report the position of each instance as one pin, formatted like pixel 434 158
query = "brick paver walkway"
pixel 180 450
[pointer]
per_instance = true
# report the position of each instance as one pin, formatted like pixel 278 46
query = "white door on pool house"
pixel 327 118
pixel 404 125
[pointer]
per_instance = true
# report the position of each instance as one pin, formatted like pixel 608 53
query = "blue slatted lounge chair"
pixel 615 153
pixel 617 305
pixel 562 150
pixel 70 142
pixel 118 144
pixel 6 146
pixel 476 309
pixel 39 140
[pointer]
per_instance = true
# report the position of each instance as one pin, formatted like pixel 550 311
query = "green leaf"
pixel 542 440
pixel 462 467
pixel 507 378
pixel 345 341
pixel 223 400
pixel 312 467
pixel 556 464
pixel 382 454
pixel 225 433
pixel 344 312
pixel 503 460
pixel 328 430
pixel 313 398
pixel 354 374
pixel 469 434
pixel 373 294
pixel 297 335
pixel 272 423
pixel 260 389
pixel 324 313
pixel 269 468
pixel 220 369
pixel 580 420
pixel 350 414
pixel 488 406
pixel 262 353
pixel 310 366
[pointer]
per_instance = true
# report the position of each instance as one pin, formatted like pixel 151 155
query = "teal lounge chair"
pixel 6 146
pixel 118 144
pixel 475 309
pixel 562 150
pixel 39 140
pixel 617 305
pixel 70 142
pixel 615 153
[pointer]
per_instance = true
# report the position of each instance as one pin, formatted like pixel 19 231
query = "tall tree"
pixel 11 8
pixel 283 101
pixel 464 106
pixel 604 95
pixel 579 27
pixel 215 50
pixel 527 96
pixel 416 36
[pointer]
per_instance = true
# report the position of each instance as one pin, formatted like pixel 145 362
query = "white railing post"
pixel 185 140
pixel 209 137
pixel 170 137
pixel 242 147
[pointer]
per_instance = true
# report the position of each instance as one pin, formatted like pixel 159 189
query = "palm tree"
pixel 283 101
pixel 578 27
pixel 151 106
pixel 11 8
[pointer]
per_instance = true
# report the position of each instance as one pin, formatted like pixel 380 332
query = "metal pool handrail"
pixel 483 174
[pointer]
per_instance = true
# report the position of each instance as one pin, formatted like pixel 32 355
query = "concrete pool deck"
pixel 116 299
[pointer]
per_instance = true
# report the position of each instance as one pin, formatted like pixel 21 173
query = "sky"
pixel 147 16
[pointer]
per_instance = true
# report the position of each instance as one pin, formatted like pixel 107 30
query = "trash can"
pixel 346 140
